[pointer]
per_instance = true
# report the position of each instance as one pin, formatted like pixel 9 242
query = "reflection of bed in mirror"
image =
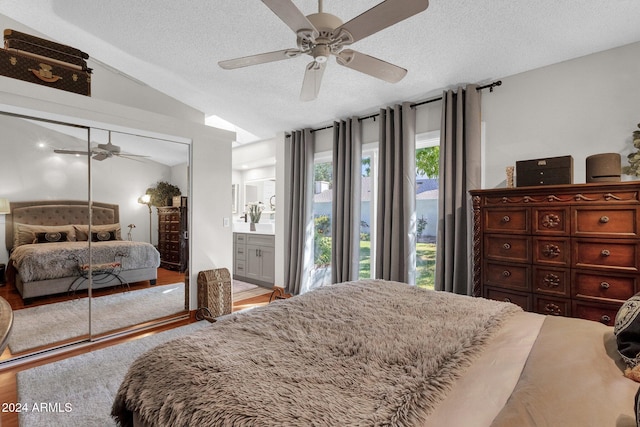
pixel 52 267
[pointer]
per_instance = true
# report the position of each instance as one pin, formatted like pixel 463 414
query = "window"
pixel 427 165
pixel 368 210
pixel 322 206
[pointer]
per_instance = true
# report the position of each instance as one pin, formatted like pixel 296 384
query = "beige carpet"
pixel 46 324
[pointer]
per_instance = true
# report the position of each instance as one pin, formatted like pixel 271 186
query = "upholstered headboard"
pixel 58 212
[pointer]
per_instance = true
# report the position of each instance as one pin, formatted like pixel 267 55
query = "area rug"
pixel 51 323
pixel 80 391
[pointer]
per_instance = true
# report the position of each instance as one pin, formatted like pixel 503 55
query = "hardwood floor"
pixel 8 382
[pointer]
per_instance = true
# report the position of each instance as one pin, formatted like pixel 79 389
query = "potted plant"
pixel 634 158
pixel 254 211
pixel 163 193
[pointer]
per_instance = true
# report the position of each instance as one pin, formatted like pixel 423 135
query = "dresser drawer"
pixel 552 281
pixel 507 247
pixel 612 221
pixel 552 306
pixel 554 221
pixel 552 251
pixel 602 313
pixel 612 288
pixel 506 220
pixel 610 254
pixel 518 298
pixel 512 276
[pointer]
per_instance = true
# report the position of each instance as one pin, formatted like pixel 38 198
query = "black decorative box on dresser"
pixel 568 250
pixel 172 237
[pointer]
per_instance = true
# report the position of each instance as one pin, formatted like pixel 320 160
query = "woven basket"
pixel 214 291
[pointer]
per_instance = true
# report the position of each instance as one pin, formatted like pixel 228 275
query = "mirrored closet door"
pixel 146 180
pixel 73 273
pixel 45 178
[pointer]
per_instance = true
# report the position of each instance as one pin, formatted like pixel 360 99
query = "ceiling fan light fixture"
pixel 321 53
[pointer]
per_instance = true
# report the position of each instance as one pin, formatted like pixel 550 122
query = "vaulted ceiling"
pixel 175 45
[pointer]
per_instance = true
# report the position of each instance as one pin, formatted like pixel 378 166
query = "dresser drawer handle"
pixel 506 273
pixel 507 299
pixel 605 285
pixel 506 246
pixel 605 252
pixel 604 219
pixel 506 218
pixel 605 319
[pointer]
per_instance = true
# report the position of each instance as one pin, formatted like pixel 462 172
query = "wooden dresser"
pixel 172 237
pixel 568 250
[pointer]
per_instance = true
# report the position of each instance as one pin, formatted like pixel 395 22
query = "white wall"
pixel 110 85
pixel 581 107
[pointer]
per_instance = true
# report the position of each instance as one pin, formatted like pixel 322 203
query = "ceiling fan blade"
pixel 261 58
pixel 291 15
pixel 83 153
pixel 377 18
pixel 372 66
pixel 101 156
pixel 312 80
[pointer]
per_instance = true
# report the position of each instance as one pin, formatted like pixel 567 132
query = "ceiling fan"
pixel 321 35
pixel 102 151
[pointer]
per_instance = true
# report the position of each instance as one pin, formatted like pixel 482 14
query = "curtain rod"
pixel 489 86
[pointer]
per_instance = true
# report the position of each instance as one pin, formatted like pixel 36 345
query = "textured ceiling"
pixel 174 46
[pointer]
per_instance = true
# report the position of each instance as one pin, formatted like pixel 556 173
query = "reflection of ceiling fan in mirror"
pixel 103 151
pixel 321 35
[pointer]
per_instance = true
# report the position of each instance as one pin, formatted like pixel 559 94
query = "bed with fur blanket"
pixel 376 352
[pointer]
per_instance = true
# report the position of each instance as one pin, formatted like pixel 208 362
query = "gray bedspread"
pixel 359 353
pixel 53 260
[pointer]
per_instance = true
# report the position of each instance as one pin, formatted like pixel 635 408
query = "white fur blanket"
pixel 360 353
pixel 52 260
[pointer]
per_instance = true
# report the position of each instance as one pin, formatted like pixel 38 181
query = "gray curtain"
pixel 299 215
pixel 395 228
pixel 345 218
pixel 460 135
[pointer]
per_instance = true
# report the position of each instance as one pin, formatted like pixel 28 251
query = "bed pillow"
pixel 51 237
pixel 627 332
pixel 25 234
pixel 82 231
pixel 103 236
